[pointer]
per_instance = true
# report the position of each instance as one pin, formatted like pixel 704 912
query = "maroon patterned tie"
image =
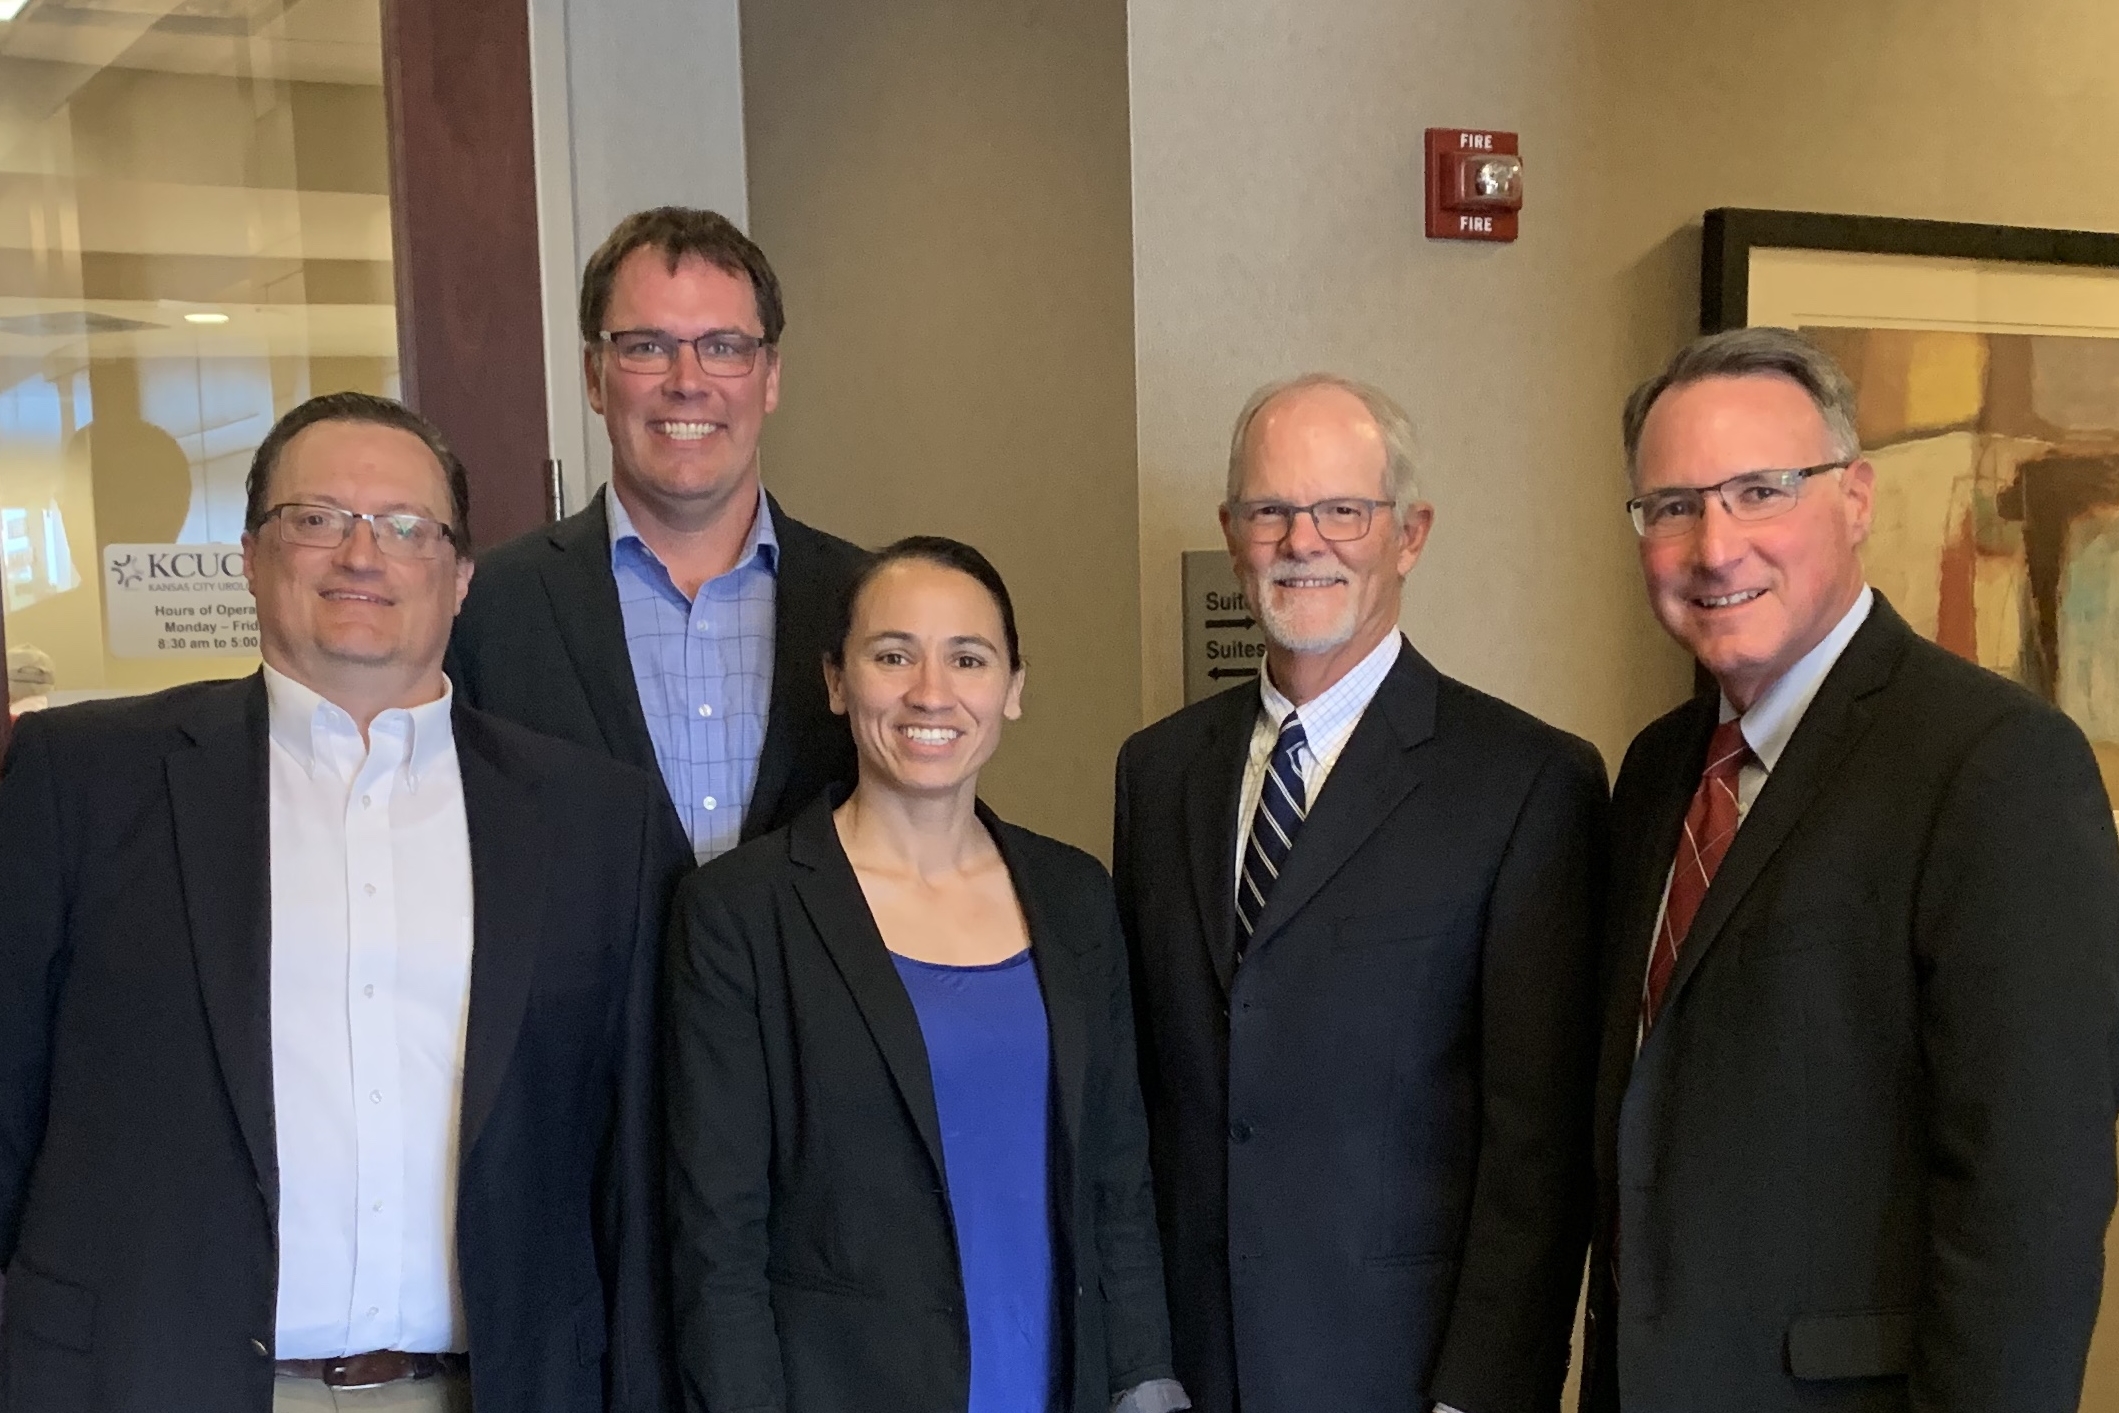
pixel 1710 824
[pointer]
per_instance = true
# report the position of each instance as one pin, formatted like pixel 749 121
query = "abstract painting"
pixel 1997 503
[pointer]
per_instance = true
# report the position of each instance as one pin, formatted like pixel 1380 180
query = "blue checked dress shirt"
pixel 704 669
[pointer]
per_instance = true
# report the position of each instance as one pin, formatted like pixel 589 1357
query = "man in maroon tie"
pixel 1856 1101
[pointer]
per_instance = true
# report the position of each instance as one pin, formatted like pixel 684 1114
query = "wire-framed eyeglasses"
pixel 1342 518
pixel 398 534
pixel 1753 495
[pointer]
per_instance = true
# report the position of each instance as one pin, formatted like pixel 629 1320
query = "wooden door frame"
pixel 463 217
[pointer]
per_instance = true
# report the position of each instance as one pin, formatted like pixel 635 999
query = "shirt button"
pixel 378 1206
pixel 373 1311
pixel 704 627
pixel 368 990
pixel 709 802
pixel 369 890
pixel 366 801
pixel 705 710
pixel 375 1096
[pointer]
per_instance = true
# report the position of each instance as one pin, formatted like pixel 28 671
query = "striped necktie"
pixel 1281 810
pixel 1710 827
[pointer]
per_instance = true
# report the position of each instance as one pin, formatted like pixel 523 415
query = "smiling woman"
pixel 912 1261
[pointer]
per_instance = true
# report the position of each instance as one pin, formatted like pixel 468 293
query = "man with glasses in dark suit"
pixel 1359 898
pixel 1861 1018
pixel 327 1003
pixel 677 622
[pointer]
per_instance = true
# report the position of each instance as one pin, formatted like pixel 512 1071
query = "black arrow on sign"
pixel 1232 672
pixel 1229 622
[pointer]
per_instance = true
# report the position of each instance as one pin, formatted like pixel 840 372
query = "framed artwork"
pixel 1986 362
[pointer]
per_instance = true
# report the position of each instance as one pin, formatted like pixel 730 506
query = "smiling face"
pixel 1750 598
pixel 333 617
pixel 683 443
pixel 925 683
pixel 1315 596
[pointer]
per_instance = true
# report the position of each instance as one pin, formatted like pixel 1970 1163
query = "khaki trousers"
pixel 448 1393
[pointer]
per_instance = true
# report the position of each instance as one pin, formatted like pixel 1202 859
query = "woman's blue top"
pixel 990 1058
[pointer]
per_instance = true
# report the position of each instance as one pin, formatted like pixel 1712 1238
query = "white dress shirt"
pixel 371 987
pixel 1771 722
pixel 1328 719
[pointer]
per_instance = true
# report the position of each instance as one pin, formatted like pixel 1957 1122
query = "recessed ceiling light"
pixel 192 318
pixel 10 8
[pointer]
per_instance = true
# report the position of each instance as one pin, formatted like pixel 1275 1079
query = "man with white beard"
pixel 1359 899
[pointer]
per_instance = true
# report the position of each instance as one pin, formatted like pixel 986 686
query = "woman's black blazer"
pixel 813 1252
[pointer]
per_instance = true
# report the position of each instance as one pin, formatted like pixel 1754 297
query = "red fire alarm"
pixel 1474 184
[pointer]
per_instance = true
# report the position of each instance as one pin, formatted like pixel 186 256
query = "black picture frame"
pixel 1730 233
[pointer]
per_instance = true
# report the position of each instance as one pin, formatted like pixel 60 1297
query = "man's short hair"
pixel 681 233
pixel 1748 353
pixel 1389 417
pixel 359 407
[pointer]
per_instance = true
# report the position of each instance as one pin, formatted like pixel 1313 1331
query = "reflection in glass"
pixel 194 237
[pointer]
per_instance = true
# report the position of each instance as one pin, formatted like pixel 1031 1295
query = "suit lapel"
pixel 1378 768
pixel 832 897
pixel 1652 842
pixel 510 855
pixel 799 610
pixel 1835 721
pixel 1059 979
pixel 222 810
pixel 584 600
pixel 1213 790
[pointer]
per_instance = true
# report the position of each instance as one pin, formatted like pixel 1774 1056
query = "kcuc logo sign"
pixel 178 601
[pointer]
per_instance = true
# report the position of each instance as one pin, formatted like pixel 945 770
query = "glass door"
pixel 194 237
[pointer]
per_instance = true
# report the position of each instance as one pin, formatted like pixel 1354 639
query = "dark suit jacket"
pixel 1371 1141
pixel 139 1183
pixel 1864 1160
pixel 541 641
pixel 815 1262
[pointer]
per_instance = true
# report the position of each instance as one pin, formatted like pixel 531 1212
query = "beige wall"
pixel 1277 217
pixel 942 186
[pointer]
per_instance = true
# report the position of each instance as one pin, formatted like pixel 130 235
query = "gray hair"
pixel 1389 417
pixel 1747 353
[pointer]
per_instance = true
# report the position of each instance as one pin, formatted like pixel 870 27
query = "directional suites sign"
pixel 1222 643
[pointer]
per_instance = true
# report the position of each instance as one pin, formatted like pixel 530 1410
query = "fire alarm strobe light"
pixel 1474 184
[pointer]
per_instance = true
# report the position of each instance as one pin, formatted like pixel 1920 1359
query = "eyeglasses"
pixel 723 353
pixel 398 535
pixel 1754 495
pixel 1343 518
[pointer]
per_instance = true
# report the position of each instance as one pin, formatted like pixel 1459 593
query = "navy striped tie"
pixel 1281 810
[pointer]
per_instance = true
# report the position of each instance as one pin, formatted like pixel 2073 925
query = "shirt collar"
pixel 1772 720
pixel 762 543
pixel 299 716
pixel 1345 698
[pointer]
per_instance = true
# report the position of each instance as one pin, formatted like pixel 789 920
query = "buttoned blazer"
pixel 541 641
pixel 814 1253
pixel 1864 1159
pixel 1371 1139
pixel 139 1184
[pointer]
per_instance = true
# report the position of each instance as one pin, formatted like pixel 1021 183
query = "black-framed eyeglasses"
pixel 398 534
pixel 723 353
pixel 1753 495
pixel 1263 522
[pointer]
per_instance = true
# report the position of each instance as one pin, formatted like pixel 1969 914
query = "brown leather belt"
pixel 381 1366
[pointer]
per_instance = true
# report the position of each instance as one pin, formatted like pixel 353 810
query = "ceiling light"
pixel 10 8
pixel 190 318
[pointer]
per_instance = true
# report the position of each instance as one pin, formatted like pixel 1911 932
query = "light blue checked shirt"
pixel 704 668
pixel 1328 719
